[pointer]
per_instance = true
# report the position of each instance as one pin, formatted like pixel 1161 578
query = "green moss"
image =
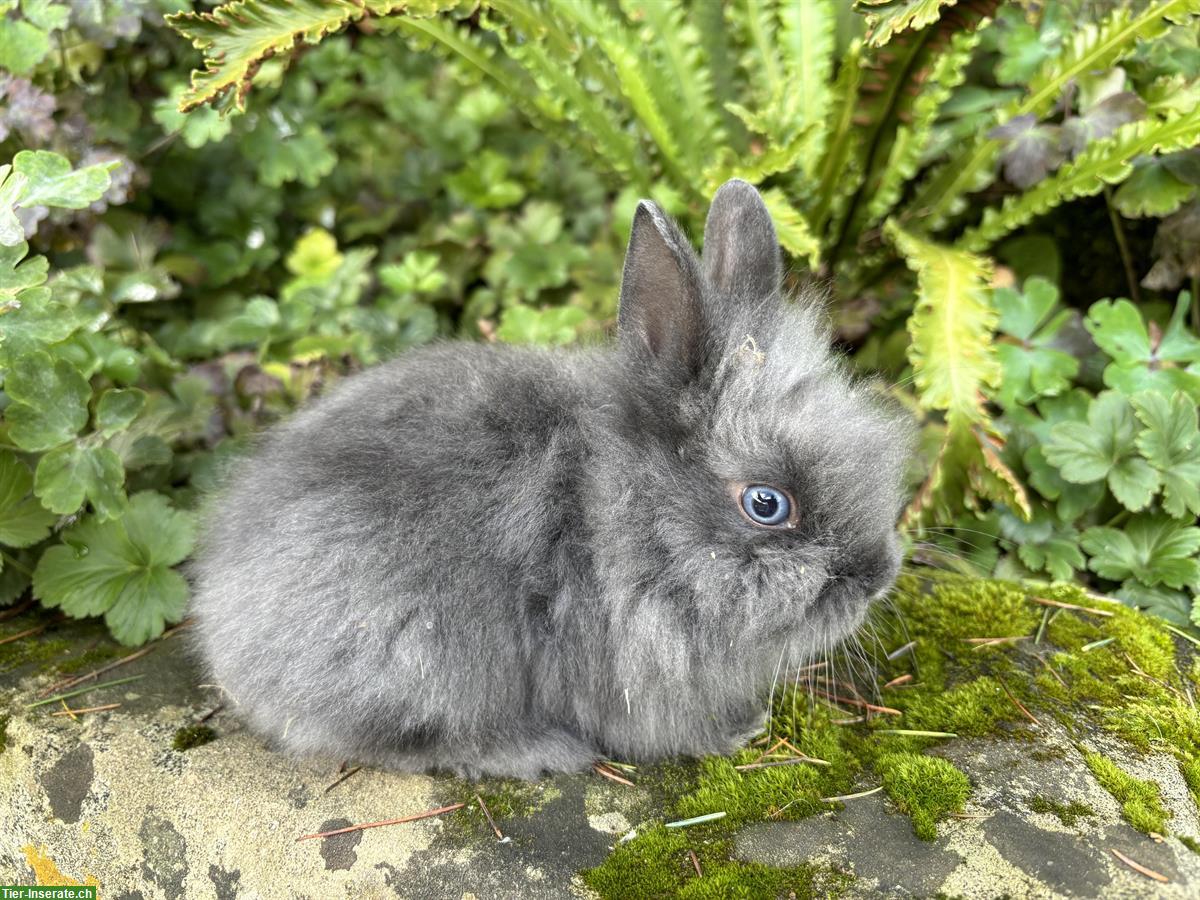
pixel 657 864
pixel 3 733
pixel 955 688
pixel 1141 803
pixel 926 788
pixel 192 736
pixel 1191 843
pixel 968 710
pixel 37 651
pixel 90 658
pixel 1068 813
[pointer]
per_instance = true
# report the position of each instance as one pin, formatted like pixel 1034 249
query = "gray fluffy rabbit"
pixel 507 561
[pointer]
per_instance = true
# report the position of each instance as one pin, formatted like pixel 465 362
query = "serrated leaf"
pixel 951 326
pixel 122 569
pixel 1154 549
pixel 1089 48
pixel 1171 443
pixel 197 128
pixel 1032 367
pixel 794 232
pixel 42 178
pixel 1151 190
pixel 117 408
pixel 1104 162
pixel 237 37
pixel 886 18
pixel 1104 448
pixel 70 474
pixel 554 326
pixel 22 46
pixel 23 521
pixel 50 401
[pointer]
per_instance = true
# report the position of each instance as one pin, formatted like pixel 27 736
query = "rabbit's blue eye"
pixel 766 505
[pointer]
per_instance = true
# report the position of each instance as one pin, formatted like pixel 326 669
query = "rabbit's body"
pixel 502 561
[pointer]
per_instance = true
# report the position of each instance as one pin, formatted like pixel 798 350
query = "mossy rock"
pixel 993 682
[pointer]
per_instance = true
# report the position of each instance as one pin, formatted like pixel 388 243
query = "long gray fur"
pixel 507 561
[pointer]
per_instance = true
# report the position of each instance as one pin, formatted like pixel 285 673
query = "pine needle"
pixel 1138 867
pixel 422 815
pixel 77 692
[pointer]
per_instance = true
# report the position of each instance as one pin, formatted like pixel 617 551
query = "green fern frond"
pixel 237 37
pixel 795 234
pixel 1090 48
pixel 951 325
pixel 1107 161
pixel 714 31
pixel 535 22
pixel 911 139
pixel 757 169
pixel 680 58
pixel 646 94
pixel 894 80
pixel 886 18
pixel 834 179
pixel 556 95
pixel 760 61
pixel 806 37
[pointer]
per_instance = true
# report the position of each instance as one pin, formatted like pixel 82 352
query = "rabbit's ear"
pixel 741 251
pixel 661 289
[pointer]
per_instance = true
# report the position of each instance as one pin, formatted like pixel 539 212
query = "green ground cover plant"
pixel 1000 197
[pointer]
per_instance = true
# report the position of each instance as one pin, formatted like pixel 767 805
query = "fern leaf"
pixel 237 37
pixel 1107 161
pixel 680 58
pixel 835 177
pixel 645 93
pixel 761 59
pixel 904 156
pixel 951 325
pixel 709 19
pixel 757 169
pixel 893 81
pixel 599 131
pixel 807 38
pixel 795 234
pixel 886 18
pixel 1092 47
pixel 967 470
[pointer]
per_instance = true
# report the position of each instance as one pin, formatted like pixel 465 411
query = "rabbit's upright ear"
pixel 741 251
pixel 661 290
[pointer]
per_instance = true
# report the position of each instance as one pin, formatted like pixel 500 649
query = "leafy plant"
pixel 839 148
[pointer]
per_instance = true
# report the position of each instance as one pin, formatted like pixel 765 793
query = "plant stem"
pixel 1196 304
pixel 9 560
pixel 1135 293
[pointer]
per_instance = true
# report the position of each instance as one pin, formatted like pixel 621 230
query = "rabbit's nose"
pixel 873 565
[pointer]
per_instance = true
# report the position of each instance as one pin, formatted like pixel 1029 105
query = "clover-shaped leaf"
pixel 50 401
pixel 1105 448
pixel 1142 361
pixel 1153 549
pixel 70 474
pixel 1043 544
pixel 1032 366
pixel 1171 443
pixel 42 178
pixel 122 569
pixel 23 520
pixel 553 326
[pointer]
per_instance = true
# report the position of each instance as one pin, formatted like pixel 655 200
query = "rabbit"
pixel 508 561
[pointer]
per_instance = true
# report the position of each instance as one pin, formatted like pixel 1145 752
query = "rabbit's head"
pixel 757 483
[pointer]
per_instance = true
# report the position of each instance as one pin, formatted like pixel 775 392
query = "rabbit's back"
pixel 381 572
